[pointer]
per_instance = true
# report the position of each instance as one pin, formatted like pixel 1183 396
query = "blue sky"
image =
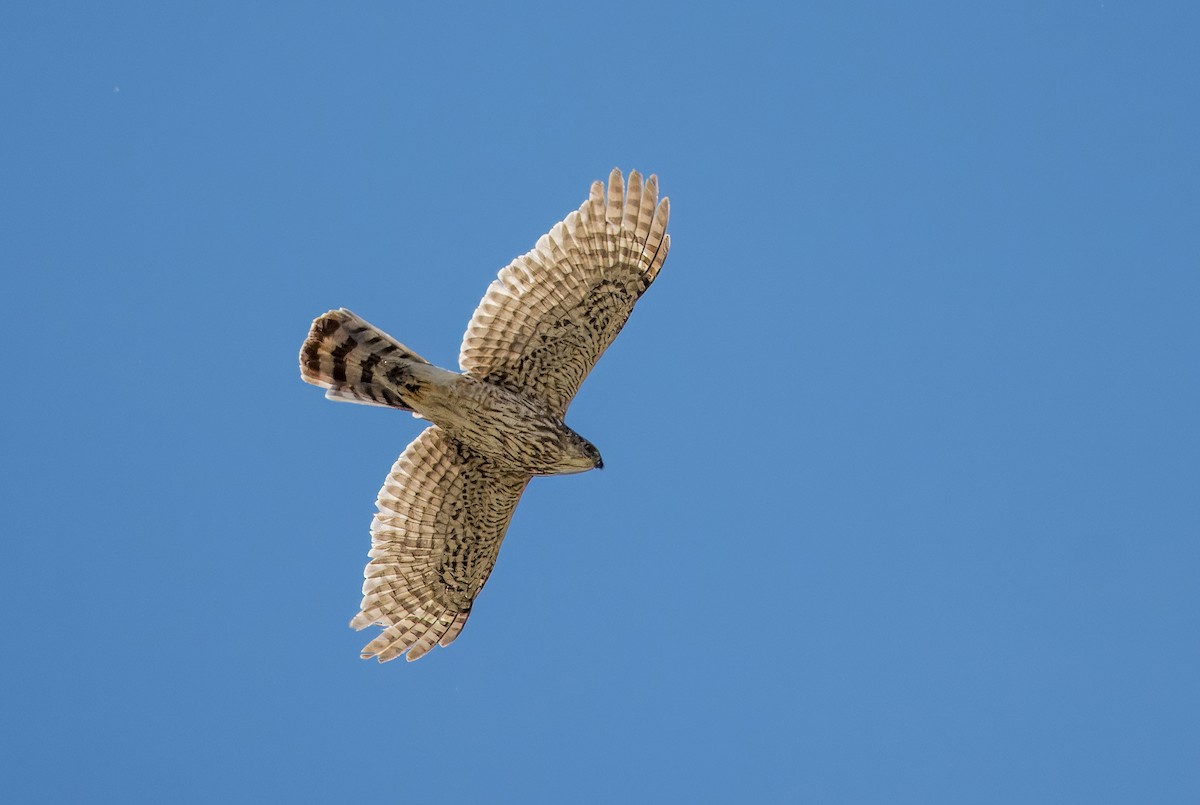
pixel 901 490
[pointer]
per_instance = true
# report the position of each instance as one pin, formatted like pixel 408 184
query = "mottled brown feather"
pixel 443 512
pixel 551 313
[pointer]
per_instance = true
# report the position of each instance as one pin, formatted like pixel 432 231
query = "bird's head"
pixel 579 454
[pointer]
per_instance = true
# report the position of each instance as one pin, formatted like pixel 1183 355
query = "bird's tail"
pixel 357 362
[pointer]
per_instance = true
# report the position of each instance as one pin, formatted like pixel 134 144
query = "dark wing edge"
pixel 550 314
pixel 442 514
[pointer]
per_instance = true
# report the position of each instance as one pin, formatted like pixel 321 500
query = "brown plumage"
pixel 540 328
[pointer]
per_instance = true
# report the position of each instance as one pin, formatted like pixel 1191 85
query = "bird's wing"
pixel 442 514
pixel 550 314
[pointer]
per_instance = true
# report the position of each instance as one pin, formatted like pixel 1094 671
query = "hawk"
pixel 541 327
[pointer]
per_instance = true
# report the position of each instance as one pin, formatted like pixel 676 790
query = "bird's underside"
pixel 540 328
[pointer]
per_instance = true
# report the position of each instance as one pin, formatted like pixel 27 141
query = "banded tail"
pixel 357 362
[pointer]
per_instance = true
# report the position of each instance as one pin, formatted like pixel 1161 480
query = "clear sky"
pixel 902 492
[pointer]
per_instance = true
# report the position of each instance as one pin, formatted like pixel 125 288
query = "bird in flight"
pixel 540 328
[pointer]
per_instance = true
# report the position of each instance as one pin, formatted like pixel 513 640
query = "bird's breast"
pixel 513 430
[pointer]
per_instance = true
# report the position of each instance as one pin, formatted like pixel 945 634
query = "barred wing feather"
pixel 442 515
pixel 550 314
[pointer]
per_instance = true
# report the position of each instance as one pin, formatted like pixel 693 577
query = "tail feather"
pixel 355 361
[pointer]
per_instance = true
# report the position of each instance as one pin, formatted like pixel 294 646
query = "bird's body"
pixel 518 433
pixel 541 327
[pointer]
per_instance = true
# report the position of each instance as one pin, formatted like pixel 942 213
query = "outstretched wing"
pixel 551 313
pixel 442 514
